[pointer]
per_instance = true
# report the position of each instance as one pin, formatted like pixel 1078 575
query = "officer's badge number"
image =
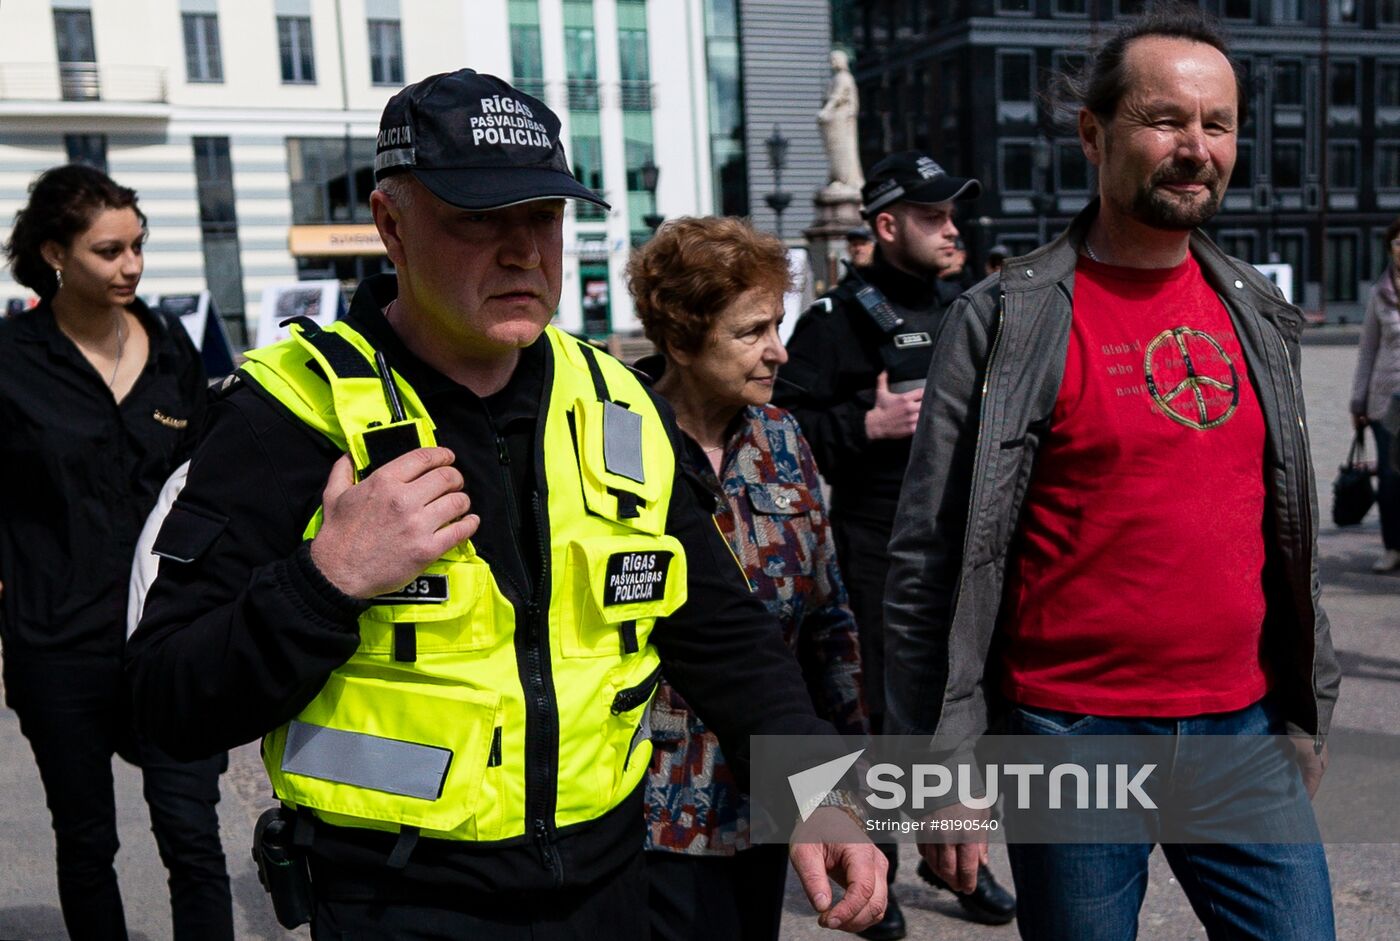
pixel 425 589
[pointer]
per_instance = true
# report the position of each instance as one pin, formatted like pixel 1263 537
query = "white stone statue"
pixel 837 121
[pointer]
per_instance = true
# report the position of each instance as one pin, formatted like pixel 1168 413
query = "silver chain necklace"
pixel 121 348
pixel 1090 252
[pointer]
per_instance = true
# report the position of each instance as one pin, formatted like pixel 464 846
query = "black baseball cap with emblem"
pixel 913 177
pixel 476 142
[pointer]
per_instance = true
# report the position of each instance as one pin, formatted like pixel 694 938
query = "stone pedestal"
pixel 838 211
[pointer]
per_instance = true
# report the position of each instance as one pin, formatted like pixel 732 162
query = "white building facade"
pixel 247 126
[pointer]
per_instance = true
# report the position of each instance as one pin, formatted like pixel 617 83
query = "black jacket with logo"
pixel 828 383
pixel 78 474
pixel 239 640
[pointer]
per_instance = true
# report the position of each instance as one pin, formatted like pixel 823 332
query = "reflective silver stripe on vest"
pixel 622 442
pixel 368 761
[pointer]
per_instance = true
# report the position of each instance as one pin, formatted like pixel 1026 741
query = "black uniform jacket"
pixel 828 383
pixel 238 641
pixel 79 473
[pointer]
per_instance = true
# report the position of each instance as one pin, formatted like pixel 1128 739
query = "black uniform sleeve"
pixel 722 650
pixel 237 639
pixel 811 386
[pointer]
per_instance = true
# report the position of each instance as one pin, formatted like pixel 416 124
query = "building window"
pixel 1342 266
pixel 385 52
pixel 331 179
pixel 1131 7
pixel 1288 11
pixel 1388 165
pixel 1017 167
pixel 726 89
pixel 77 55
pixel 1014 6
pixel 1288 83
pixel 87 149
pixel 1238 243
pixel 294 41
pixel 1288 165
pixel 1344 12
pixel 635 69
pixel 1237 9
pixel 1291 248
pixel 581 67
pixel 1341 85
pixel 588 170
pixel 202 60
pixel 1014 82
pixel 1071 168
pixel 1344 165
pixel 1388 84
pixel 1388 13
pixel 1071 7
pixel 218 224
pixel 1242 177
pixel 527 58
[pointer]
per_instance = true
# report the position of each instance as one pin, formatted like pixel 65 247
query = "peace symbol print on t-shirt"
pixel 1191 378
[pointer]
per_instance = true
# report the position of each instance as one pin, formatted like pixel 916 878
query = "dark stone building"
pixel 1318 174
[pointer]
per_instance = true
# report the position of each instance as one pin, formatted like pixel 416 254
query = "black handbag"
pixel 1352 493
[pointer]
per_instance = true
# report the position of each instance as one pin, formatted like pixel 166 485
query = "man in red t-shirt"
pixel 1108 523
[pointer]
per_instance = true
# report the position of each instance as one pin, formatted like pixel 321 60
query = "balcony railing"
pixel 583 94
pixel 635 95
pixel 534 87
pixel 82 81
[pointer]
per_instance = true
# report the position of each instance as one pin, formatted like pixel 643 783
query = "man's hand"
pixel 1313 764
pixel 956 863
pixel 380 533
pixel 1359 421
pixel 855 863
pixel 895 414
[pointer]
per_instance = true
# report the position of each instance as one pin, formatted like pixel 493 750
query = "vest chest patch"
pixel 425 589
pixel 636 576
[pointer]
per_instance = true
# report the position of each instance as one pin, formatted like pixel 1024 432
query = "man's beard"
pixel 1162 211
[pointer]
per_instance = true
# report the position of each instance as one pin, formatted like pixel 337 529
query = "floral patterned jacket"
pixel 772 513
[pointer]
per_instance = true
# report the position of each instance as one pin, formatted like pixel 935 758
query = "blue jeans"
pixel 1093 891
pixel 1387 489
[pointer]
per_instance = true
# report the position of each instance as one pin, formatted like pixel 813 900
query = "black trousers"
pixel 701 898
pixel 614 909
pixel 73 710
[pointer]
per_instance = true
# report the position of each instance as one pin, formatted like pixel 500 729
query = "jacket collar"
pixel 38 325
pixel 1055 262
pixel 905 289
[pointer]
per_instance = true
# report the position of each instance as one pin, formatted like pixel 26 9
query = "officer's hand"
pixel 382 532
pixel 956 863
pixel 895 413
pixel 848 857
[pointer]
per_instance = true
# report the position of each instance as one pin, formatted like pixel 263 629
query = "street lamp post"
pixel 777 200
pixel 650 173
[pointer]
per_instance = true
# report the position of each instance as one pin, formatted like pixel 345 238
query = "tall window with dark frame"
pixel 1288 165
pixel 385 52
pixel 1237 9
pixel 1017 167
pixel 1343 165
pixel 88 149
pixel 1342 85
pixel 1342 266
pixel 294 44
pixel 77 55
pixel 1388 84
pixel 1015 83
pixel 1388 12
pixel 1288 83
pixel 203 60
pixel 218 225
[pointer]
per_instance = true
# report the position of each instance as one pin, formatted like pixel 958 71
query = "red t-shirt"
pixel 1136 581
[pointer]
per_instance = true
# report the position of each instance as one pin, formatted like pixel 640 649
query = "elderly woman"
pixel 709 293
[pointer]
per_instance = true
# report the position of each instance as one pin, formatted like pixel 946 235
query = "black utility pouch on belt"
pixel 282 868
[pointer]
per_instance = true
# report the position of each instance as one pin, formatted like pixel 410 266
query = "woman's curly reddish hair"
pixel 695 267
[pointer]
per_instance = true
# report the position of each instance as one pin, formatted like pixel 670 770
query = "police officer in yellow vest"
pixel 436 555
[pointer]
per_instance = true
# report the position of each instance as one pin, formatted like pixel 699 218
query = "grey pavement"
pixel 1365 611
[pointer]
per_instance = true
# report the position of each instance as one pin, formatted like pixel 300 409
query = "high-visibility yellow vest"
pixel 425 726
